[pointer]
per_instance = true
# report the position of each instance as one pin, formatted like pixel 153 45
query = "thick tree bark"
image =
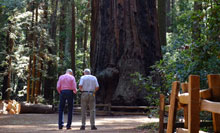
pixel 125 40
pixel 162 21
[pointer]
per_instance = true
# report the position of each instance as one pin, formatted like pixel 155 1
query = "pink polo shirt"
pixel 66 82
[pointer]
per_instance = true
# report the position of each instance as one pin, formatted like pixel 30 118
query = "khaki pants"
pixel 88 99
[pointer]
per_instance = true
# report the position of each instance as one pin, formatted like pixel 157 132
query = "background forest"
pixel 39 39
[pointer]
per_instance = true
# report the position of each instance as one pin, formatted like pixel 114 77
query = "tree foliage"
pixel 32 38
pixel 185 55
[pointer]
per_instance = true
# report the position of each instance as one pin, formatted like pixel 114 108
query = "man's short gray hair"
pixel 87 71
pixel 69 71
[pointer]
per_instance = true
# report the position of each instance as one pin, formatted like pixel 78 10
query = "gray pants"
pixel 88 99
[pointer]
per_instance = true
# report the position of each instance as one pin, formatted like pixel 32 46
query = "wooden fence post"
pixel 214 84
pixel 173 107
pixel 162 109
pixel 194 105
pixel 184 87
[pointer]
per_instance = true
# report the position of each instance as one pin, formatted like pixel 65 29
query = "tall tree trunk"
pixel 30 43
pixel 62 31
pixel 29 80
pixel 94 22
pixel 40 64
pixel 7 78
pixel 40 54
pixel 50 83
pixel 33 89
pixel 86 28
pixel 53 20
pixel 72 50
pixel 162 21
pixel 124 41
pixel 85 44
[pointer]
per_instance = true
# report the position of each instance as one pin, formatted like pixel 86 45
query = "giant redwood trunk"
pixel 125 40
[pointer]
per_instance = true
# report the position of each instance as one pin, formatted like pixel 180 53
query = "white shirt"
pixel 88 82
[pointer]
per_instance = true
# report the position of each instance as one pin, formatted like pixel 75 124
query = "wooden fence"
pixel 108 109
pixel 192 100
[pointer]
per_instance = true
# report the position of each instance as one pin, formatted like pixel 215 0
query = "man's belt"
pixel 88 91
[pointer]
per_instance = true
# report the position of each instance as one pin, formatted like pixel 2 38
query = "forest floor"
pixel 48 123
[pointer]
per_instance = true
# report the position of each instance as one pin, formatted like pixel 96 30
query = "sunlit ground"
pixel 48 123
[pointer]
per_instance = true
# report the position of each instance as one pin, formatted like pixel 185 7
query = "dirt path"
pixel 48 123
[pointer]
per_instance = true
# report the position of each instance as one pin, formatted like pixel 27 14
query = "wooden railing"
pixel 193 100
pixel 108 109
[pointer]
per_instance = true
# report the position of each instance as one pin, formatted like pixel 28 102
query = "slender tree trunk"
pixel 40 64
pixel 40 54
pixel 30 38
pixel 53 20
pixel 85 44
pixel 50 80
pixel 72 51
pixel 62 31
pixel 85 63
pixel 35 45
pixel 6 91
pixel 162 21
pixel 124 41
pixel 29 80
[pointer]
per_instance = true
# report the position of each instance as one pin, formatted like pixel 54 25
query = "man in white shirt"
pixel 88 85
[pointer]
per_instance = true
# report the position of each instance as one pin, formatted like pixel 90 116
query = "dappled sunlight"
pixel 48 123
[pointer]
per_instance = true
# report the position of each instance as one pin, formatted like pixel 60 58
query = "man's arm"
pixel 81 84
pixel 80 87
pixel 74 85
pixel 58 86
pixel 97 85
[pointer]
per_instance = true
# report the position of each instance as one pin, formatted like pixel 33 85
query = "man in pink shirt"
pixel 66 86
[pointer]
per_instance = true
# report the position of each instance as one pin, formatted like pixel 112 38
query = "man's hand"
pixel 75 91
pixel 96 89
pixel 80 87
